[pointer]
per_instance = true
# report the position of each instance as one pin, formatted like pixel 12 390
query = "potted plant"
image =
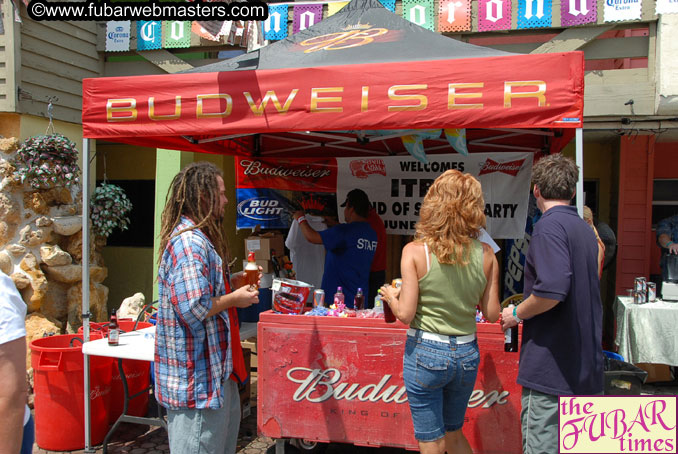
pixel 48 161
pixel 109 209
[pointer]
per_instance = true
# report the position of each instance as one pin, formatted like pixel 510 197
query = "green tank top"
pixel 448 295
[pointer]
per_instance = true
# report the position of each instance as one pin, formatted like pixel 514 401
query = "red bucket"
pixel 137 373
pixel 290 296
pixel 59 393
pixel 138 378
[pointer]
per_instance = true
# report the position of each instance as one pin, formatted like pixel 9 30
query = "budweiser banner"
pixel 268 191
pixel 396 186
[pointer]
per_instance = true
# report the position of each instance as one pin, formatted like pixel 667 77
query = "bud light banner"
pixel 268 191
pixel 396 185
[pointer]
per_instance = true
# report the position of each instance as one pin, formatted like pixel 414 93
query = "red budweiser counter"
pixel 330 379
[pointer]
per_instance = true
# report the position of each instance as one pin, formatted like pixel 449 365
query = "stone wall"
pixel 41 250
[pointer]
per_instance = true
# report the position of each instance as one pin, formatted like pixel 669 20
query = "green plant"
pixel 109 209
pixel 48 161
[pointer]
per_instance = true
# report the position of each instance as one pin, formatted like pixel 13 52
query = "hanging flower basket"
pixel 109 209
pixel 48 161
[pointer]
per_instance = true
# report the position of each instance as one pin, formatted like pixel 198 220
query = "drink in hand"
pixel 251 271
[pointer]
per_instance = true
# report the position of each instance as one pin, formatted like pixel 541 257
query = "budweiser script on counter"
pixel 317 385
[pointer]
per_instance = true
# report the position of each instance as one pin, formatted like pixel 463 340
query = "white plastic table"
pixel 138 345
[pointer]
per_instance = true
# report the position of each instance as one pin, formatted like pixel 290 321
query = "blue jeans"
pixel 206 431
pixel 28 437
pixel 439 379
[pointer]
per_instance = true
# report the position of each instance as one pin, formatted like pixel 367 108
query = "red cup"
pixel 388 314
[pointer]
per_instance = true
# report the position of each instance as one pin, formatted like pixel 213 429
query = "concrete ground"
pixel 139 439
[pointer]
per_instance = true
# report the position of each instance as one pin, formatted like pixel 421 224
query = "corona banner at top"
pixel 363 68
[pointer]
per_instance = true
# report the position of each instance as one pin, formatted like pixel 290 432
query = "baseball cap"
pixel 359 201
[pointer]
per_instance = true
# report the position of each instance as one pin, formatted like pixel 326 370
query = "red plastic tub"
pixel 137 373
pixel 59 393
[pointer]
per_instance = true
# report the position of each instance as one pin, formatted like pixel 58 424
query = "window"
pixel 664 199
pixel 139 232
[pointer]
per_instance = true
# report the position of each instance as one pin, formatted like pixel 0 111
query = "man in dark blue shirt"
pixel 561 352
pixel 349 247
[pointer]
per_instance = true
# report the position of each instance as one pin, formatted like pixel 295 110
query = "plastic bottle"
pixel 511 337
pixel 275 263
pixel 339 297
pixel 251 271
pixel 378 304
pixel 359 300
pixel 113 329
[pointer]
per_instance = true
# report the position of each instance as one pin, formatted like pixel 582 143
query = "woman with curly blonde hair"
pixel 446 273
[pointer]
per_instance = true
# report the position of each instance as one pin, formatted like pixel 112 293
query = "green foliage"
pixel 48 161
pixel 109 209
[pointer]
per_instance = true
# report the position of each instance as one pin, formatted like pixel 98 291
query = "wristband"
pixel 301 219
pixel 515 315
pixel 668 244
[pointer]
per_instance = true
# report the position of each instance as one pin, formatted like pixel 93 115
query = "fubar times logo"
pixel 617 424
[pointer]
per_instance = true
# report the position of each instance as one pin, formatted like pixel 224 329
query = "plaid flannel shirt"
pixel 192 354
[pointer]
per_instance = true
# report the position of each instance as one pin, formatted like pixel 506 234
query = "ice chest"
pixel 330 379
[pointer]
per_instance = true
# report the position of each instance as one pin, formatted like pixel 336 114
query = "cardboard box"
pixel 251 345
pixel 254 379
pixel 265 265
pixel 262 244
pixel 246 389
pixel 656 372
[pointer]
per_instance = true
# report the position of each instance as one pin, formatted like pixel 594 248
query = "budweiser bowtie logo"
pixel 362 168
pixel 510 168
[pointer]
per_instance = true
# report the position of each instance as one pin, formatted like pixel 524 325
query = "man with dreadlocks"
pixel 198 359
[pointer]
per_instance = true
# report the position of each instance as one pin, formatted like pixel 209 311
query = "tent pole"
pixel 85 284
pixel 579 143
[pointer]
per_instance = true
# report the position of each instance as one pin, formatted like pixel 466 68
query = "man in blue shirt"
pixel 350 247
pixel 561 351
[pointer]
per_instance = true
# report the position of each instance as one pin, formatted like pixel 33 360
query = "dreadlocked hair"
pixel 194 193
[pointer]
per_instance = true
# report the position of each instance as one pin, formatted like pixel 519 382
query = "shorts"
pixel 439 378
pixel 539 420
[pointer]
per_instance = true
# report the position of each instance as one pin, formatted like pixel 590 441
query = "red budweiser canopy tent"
pixel 332 90
pixel 362 69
